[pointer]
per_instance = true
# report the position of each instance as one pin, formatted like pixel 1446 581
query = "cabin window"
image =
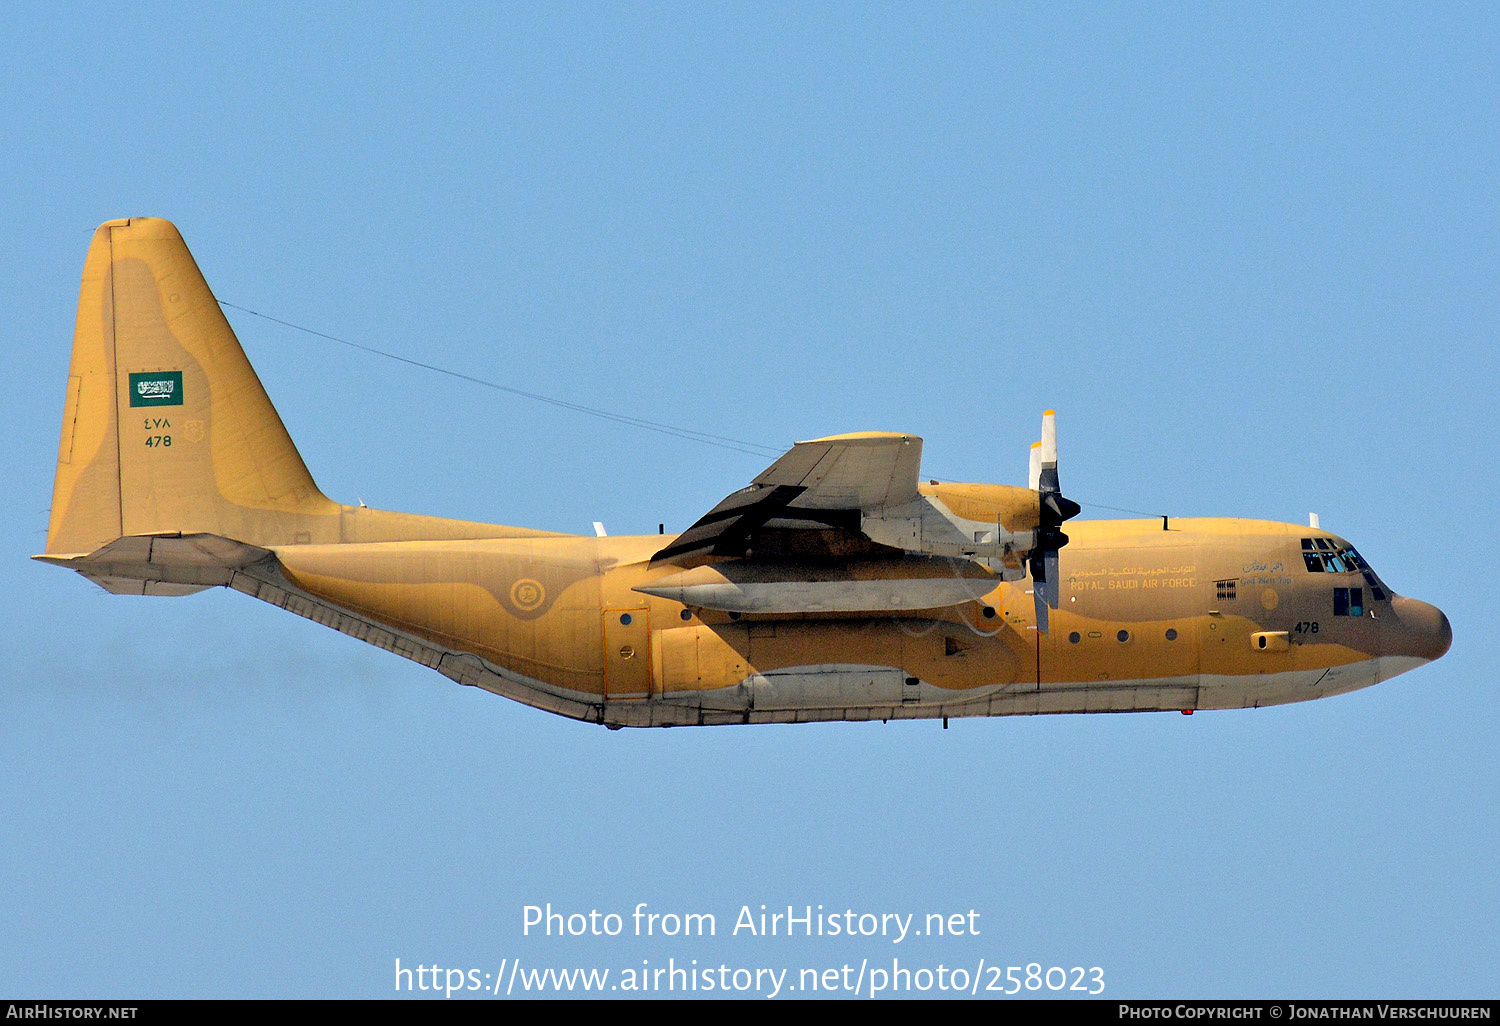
pixel 1171 633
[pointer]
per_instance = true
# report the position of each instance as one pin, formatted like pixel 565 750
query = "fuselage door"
pixel 627 654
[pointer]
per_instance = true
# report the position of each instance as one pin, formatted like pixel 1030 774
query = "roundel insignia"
pixel 527 594
pixel 1269 599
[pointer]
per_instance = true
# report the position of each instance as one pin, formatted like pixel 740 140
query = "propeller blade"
pixel 1049 439
pixel 1042 588
pixel 1055 509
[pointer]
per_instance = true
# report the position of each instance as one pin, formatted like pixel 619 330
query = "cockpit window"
pixel 1322 555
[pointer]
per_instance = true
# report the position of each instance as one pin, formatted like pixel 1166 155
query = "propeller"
pixel 1055 508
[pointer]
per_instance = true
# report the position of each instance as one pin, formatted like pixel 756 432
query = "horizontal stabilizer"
pixel 162 564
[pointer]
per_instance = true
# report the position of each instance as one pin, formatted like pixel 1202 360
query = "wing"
pixel 819 489
pixel 841 524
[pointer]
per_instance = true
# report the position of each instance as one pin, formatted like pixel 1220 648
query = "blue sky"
pixel 1248 253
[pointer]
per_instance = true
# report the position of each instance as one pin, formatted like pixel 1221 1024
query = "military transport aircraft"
pixel 837 585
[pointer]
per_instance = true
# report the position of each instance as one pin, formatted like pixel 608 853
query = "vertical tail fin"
pixel 166 427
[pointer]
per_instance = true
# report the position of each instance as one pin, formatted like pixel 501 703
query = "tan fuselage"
pixel 1206 613
pixel 801 597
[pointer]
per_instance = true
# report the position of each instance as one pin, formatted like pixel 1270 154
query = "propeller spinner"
pixel 1055 508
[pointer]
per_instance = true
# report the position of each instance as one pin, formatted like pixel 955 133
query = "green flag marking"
pixel 156 388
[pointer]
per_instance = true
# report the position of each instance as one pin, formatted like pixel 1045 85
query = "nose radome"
pixel 1424 632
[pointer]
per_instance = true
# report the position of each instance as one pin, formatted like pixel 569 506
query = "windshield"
pixel 1327 555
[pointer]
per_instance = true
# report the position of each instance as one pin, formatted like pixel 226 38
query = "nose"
pixel 1422 631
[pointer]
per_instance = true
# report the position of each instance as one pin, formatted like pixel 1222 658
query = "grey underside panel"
pixel 712 708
